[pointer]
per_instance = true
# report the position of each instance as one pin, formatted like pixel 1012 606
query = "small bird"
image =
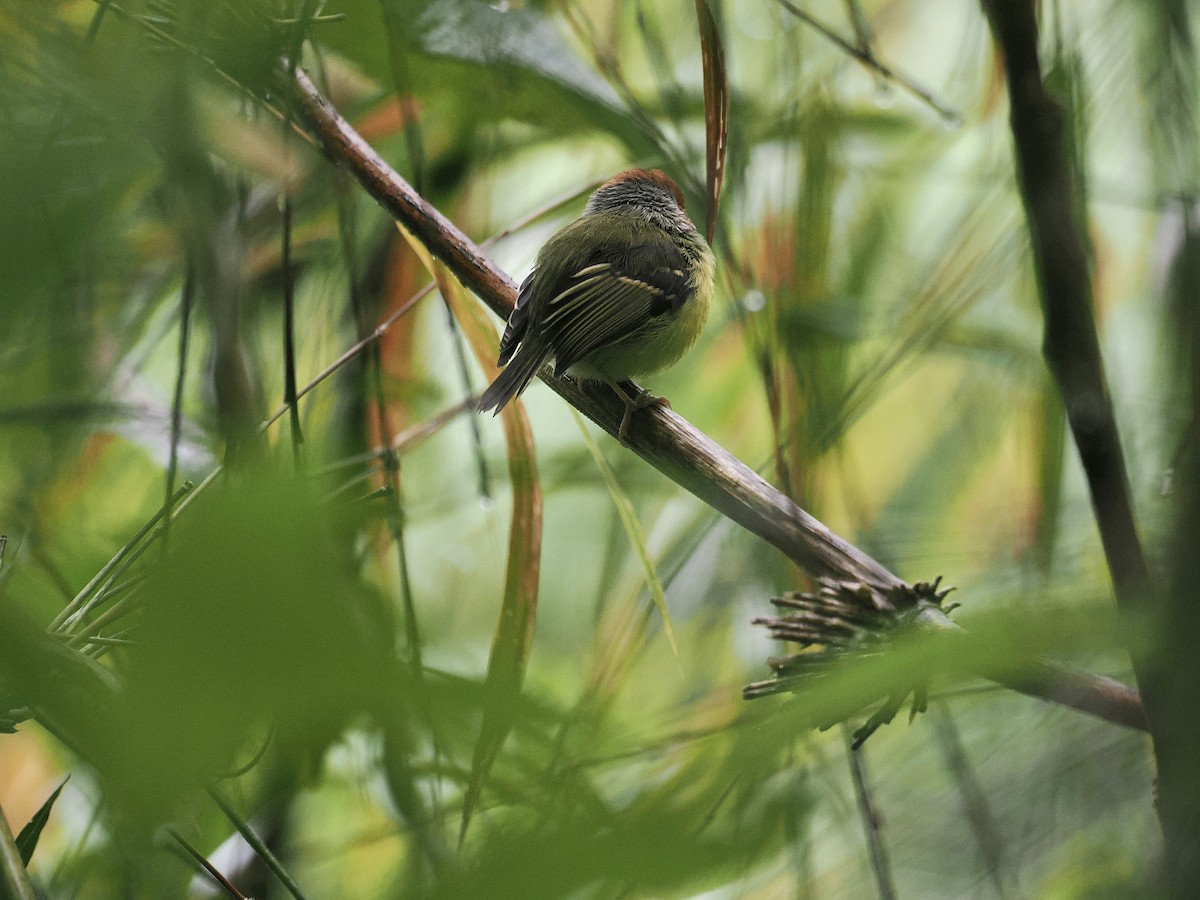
pixel 623 290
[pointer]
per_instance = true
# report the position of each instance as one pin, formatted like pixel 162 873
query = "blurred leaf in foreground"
pixel 252 618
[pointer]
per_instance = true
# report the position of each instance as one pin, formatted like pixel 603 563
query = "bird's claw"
pixel 643 400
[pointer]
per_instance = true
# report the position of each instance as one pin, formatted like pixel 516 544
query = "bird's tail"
pixel 514 379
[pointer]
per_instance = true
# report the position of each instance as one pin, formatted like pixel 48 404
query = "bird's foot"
pixel 643 400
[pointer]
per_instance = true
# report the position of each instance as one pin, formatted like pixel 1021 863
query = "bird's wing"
pixel 518 321
pixel 612 297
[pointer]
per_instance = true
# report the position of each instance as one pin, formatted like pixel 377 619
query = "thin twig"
pixel 186 295
pixel 285 261
pixel 862 40
pixel 124 557
pixel 289 322
pixel 257 845
pixel 548 207
pixel 867 58
pixel 351 352
pixel 975 802
pixel 206 865
pixel 408 438
pixel 454 333
pixel 870 818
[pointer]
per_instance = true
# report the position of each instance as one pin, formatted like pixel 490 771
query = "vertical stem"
pixel 289 323
pixel 976 806
pixel 870 819
pixel 1072 350
pixel 1070 342
pixel 14 880
pixel 186 296
pixel 1177 669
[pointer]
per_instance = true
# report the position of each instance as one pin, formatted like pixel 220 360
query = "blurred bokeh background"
pixel 303 651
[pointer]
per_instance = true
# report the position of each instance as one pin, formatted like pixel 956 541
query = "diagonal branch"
pixel 660 436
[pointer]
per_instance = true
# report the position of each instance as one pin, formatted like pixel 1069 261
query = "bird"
pixel 622 291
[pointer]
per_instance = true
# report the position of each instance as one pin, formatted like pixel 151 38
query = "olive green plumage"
pixel 622 291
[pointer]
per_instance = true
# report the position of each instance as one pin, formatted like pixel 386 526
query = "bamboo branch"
pixel 660 436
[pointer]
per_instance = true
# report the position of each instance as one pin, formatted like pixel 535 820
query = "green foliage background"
pixel 313 651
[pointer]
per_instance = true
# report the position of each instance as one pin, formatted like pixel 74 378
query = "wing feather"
pixel 574 304
pixel 518 321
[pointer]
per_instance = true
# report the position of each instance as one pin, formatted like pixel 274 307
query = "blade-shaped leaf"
pixel 28 838
pixel 633 528
pixel 518 610
pixel 716 111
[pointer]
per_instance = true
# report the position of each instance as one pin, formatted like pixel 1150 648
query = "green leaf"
pixel 28 838
pixel 477 61
pixel 254 617
pixel 484 34
pixel 633 528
